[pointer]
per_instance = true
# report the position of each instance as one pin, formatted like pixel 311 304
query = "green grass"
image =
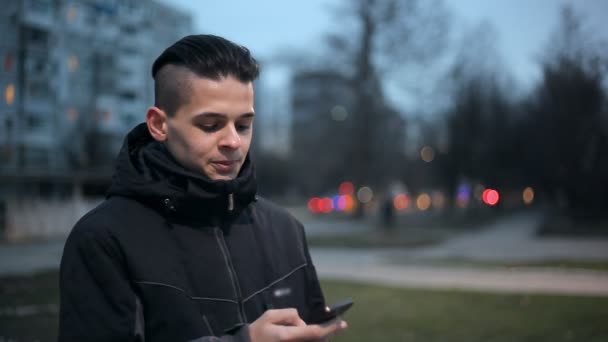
pixel 379 314
pixel 37 299
pixel 592 265
pixel 389 314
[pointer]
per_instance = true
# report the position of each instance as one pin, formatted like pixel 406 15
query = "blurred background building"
pixel 392 95
pixel 75 78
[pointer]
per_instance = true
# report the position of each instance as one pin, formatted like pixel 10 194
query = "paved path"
pixel 374 267
pixel 24 258
pixel 510 239
pixel 513 238
pixel 507 240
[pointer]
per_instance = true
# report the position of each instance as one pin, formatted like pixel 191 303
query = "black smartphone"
pixel 335 310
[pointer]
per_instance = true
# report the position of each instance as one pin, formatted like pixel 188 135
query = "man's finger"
pixel 313 331
pixel 285 317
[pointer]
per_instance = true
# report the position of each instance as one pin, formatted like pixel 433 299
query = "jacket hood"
pixel 147 172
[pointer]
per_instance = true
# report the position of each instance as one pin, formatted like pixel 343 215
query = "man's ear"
pixel 156 119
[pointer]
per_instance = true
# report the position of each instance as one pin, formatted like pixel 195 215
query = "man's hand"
pixel 286 325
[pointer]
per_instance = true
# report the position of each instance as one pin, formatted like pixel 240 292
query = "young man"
pixel 183 249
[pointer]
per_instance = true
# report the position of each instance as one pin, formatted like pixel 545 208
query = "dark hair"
pixel 206 56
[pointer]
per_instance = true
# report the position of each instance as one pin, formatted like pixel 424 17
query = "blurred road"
pixel 513 239
pixel 30 257
pixel 509 239
pixel 524 280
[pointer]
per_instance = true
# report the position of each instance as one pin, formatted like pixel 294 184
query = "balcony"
pixel 39 13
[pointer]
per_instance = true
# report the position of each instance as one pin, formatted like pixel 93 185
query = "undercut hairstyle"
pixel 206 56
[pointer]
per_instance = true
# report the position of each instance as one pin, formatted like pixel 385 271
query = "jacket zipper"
pixel 230 202
pixel 232 273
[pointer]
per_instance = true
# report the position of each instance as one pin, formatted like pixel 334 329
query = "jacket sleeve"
pixel 315 298
pixel 97 301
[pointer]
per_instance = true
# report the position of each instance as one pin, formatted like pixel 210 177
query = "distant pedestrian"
pixel 388 212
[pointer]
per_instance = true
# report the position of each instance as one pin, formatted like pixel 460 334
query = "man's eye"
pixel 243 128
pixel 209 127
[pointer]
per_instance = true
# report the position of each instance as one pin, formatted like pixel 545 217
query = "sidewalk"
pixel 30 257
pixel 373 268
pixel 514 238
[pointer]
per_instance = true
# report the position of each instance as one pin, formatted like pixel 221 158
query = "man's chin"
pixel 224 177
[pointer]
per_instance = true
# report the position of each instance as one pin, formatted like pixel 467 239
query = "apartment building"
pixel 75 77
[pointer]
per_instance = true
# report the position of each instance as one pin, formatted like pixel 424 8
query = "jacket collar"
pixel 146 170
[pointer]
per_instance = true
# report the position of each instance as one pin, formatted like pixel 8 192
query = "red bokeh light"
pixel 326 205
pixel 401 202
pixel 490 196
pixel 313 205
pixel 346 188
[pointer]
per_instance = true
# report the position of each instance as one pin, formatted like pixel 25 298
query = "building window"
pixel 72 63
pixel 72 114
pixel 9 94
pixel 34 122
pixel 40 6
pixel 8 62
pixel 36 65
pixel 72 13
pixel 36 36
pixel 38 90
pixel 128 95
pixel 6 154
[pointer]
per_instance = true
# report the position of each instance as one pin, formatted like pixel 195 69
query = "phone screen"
pixel 335 310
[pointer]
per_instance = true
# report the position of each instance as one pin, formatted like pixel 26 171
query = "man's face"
pixel 211 133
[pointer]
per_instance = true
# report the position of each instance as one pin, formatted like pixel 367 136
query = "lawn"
pixel 379 314
pixel 389 314
pixel 588 265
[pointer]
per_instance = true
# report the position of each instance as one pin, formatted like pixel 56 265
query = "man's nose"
pixel 230 138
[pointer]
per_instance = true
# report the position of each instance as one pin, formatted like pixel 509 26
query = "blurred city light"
pixel 326 205
pixel 438 199
pixel 72 63
pixel 463 195
pixel 365 194
pixel 490 196
pixel 337 202
pixel 528 195
pixel 427 154
pixel 339 113
pixel 349 202
pixel 8 62
pixel 72 113
pixel 313 205
pixel 423 202
pixel 9 94
pixel 72 12
pixel 401 202
pixel 346 188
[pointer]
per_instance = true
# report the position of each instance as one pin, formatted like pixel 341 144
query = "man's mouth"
pixel 225 165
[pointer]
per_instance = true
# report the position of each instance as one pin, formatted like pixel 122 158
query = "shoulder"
pixel 109 219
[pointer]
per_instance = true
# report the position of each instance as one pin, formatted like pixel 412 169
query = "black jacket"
pixel 173 256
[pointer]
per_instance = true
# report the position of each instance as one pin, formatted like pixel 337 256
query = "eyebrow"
pixel 221 115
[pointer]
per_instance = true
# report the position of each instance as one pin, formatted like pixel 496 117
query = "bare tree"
pixel 567 126
pixel 378 40
pixel 478 115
